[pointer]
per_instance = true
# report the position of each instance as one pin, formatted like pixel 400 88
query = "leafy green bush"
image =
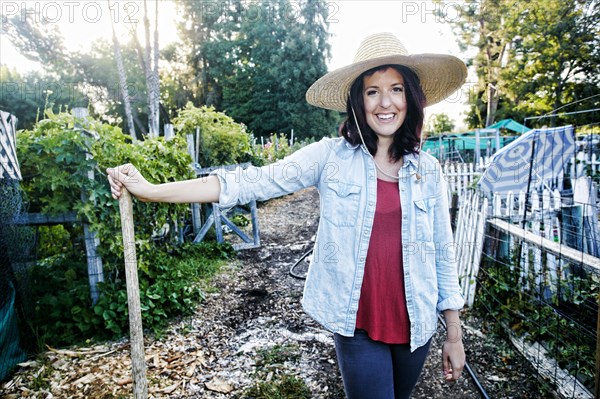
pixel 60 309
pixel 276 147
pixel 222 140
pixel 55 169
pixel 62 312
pixel 54 165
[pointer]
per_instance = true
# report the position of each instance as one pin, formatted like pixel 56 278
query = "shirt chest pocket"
pixel 341 203
pixel 424 214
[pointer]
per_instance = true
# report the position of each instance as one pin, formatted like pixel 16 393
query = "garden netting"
pixel 16 243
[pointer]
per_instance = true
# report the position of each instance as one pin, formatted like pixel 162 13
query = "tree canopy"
pixel 253 61
pixel 532 57
pixel 440 123
pixel 256 61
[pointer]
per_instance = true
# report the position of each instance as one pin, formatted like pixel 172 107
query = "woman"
pixel 383 261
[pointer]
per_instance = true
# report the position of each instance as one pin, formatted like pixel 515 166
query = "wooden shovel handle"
pixel 136 333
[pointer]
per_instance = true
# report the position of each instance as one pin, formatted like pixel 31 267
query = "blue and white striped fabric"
pixel 9 166
pixel 509 169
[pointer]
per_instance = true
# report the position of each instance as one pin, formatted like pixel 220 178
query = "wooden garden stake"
pixel 136 334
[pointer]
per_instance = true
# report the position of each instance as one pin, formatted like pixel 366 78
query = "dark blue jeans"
pixel 374 370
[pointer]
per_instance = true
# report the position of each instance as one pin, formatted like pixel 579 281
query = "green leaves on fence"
pixel 55 169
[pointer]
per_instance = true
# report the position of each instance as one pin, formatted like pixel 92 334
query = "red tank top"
pixel 382 309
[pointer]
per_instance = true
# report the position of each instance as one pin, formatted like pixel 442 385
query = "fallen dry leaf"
pixel 86 379
pixel 174 357
pixel 124 381
pixel 218 385
pixel 191 370
pixel 170 388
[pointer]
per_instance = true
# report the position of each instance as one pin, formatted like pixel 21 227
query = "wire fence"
pixel 540 293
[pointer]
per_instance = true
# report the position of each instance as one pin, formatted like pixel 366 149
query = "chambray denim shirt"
pixel 346 178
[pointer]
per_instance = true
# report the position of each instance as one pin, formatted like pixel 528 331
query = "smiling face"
pixel 385 102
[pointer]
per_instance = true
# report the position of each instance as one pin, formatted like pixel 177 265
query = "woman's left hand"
pixel 453 359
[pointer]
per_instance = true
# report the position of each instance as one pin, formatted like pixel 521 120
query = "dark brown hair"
pixel 406 138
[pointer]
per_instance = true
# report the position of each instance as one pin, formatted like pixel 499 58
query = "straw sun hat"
pixel 440 75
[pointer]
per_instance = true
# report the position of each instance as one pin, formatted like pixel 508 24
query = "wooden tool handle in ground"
pixel 136 334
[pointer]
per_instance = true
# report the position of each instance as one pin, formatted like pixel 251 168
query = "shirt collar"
pixel 411 159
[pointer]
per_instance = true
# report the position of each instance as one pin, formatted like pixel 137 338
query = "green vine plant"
pixel 55 165
pixel 222 140
pixel 56 158
pixel 558 323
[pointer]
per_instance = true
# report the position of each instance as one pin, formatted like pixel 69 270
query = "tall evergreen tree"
pixel 301 61
pixel 207 31
pixel 255 61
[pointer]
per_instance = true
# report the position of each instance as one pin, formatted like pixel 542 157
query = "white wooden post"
pixel 524 255
pixel 169 132
pixel 509 214
pixel 537 252
pixel 461 224
pixel 548 216
pixel 469 243
pixel 196 216
pixel 497 206
pixel 510 205
pixel 476 247
pixel 580 165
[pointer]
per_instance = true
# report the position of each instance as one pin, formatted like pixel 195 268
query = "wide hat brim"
pixel 440 76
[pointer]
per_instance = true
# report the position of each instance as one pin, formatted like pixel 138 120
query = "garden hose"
pixel 292 272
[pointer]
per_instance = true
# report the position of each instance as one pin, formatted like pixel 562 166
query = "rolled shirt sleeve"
pixel 299 170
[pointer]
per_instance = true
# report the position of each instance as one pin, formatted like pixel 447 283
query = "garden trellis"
pixel 94 260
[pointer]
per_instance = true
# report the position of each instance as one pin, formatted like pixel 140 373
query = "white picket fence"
pixel 538 215
pixel 460 176
pixel 541 236
pixel 469 237
pixel 541 220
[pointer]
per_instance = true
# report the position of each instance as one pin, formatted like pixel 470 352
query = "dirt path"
pixel 260 309
pixel 251 329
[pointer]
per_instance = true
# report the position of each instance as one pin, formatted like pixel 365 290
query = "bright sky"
pixel 413 22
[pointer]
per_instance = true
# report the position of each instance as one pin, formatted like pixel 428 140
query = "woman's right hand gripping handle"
pixel 129 177
pixel 204 189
